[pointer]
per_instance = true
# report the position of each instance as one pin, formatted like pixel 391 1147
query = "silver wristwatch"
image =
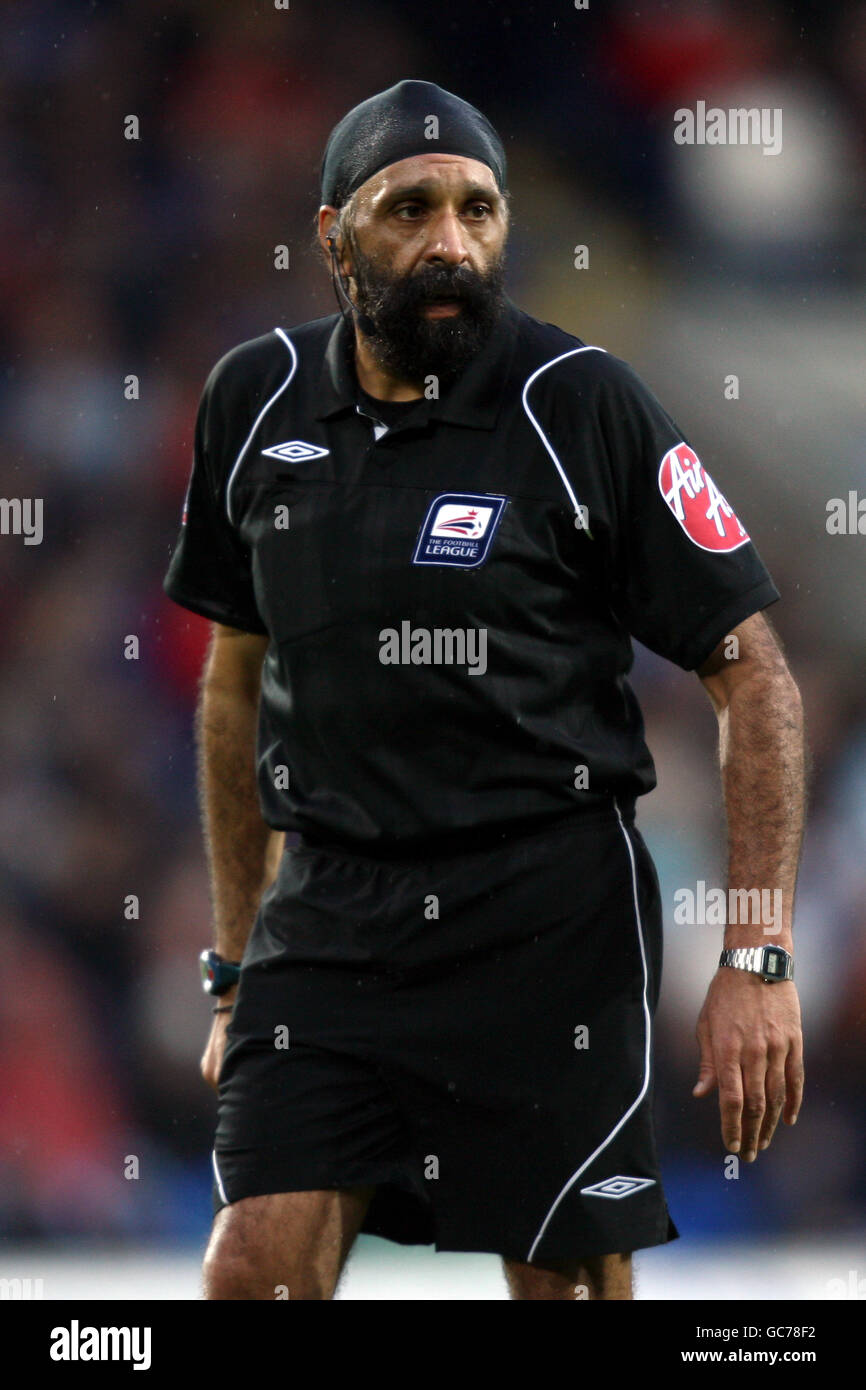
pixel 770 962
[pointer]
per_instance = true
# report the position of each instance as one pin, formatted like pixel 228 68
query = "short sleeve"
pixel 210 570
pixel 686 570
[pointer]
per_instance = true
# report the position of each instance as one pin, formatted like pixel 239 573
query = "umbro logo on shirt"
pixel 617 1187
pixel 295 451
pixel 458 529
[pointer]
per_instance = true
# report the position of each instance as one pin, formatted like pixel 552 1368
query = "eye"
pixel 406 212
pixel 479 210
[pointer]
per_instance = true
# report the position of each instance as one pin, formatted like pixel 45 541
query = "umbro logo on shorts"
pixel 295 451
pixel 458 529
pixel 617 1187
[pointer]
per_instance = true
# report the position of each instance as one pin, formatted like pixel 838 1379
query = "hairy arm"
pixel 762 758
pixel 749 1032
pixel 242 851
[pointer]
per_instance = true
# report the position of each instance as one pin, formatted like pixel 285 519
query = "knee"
pixel 527 1281
pixel 594 1277
pixel 236 1267
pixel 229 1276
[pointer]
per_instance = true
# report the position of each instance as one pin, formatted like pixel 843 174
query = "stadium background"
pixel 153 257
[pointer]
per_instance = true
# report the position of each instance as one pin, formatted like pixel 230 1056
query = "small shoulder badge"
pixel 705 515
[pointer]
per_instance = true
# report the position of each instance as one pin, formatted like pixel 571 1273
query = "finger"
pixel 707 1078
pixel 754 1102
pixel 774 1096
pixel 795 1080
pixel 731 1105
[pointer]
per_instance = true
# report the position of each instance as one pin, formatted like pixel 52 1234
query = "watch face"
pixel 217 975
pixel 775 962
pixel 207 970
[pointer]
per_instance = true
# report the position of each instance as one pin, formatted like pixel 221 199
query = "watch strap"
pixel 770 962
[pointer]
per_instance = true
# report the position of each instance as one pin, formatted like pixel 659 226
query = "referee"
pixel 426 528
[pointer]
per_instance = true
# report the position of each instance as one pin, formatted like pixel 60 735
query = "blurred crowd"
pixel 148 258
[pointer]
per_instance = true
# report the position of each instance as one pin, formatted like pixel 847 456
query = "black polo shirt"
pixel 450 601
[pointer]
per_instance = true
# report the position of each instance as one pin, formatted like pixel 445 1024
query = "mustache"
pixel 402 294
pixel 443 282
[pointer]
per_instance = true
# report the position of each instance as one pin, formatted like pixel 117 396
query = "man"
pixel 425 528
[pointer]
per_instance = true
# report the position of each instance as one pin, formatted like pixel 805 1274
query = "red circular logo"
pixel 703 512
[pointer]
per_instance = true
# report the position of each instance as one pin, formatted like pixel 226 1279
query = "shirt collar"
pixel 473 399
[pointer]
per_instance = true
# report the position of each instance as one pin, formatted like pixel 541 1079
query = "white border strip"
pixel 647 1044
pixel 542 436
pixel 219 1181
pixel 259 418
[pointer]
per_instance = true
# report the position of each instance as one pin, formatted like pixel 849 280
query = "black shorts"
pixel 471 1036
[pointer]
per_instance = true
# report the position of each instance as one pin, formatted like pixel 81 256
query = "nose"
pixel 447 244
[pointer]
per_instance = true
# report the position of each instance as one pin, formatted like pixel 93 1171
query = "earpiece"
pixel 331 238
pixel 365 323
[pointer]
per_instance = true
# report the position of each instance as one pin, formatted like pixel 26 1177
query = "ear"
pixel 330 236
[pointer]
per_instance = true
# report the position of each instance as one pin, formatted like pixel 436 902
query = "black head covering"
pixel 392 125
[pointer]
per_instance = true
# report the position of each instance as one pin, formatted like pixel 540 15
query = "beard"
pixel 405 342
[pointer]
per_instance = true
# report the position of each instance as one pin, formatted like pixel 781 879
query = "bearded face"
pixel 412 345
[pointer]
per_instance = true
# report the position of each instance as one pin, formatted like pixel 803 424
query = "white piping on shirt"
pixel 542 436
pixel 259 418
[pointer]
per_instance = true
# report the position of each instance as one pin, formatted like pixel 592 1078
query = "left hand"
pixel 751 1044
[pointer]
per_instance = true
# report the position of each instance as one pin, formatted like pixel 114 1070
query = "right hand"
pixel 212 1058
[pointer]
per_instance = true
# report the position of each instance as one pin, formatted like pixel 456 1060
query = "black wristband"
pixel 222 1008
